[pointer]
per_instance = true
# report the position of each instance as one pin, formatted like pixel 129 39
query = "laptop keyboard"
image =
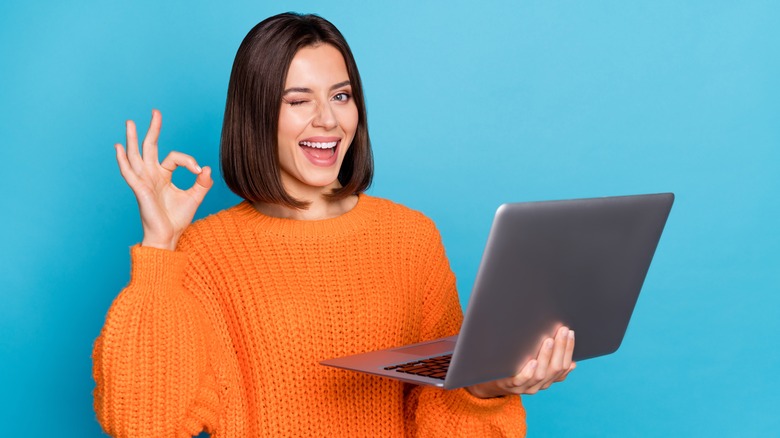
pixel 434 367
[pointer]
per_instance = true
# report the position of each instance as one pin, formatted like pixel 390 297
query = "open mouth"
pixel 319 150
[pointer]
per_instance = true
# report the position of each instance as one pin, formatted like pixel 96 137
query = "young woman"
pixel 224 321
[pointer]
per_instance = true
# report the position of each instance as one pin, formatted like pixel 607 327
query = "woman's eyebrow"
pixel 339 85
pixel 309 90
pixel 296 90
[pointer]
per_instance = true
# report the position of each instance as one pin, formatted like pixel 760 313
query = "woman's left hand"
pixel 552 364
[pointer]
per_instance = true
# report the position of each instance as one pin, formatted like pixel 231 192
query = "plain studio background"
pixel 469 106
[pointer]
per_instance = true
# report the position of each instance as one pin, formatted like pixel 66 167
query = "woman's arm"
pixel 154 362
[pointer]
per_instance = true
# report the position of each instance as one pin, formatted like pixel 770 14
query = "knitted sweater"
pixel 225 334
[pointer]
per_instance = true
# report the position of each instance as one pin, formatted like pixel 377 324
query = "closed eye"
pixel 295 102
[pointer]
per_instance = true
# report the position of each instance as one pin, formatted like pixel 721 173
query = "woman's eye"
pixel 296 102
pixel 341 97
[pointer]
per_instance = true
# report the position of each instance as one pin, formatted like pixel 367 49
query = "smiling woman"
pixel 305 69
pixel 224 321
pixel 319 117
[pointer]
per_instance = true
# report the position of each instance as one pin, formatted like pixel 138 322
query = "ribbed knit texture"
pixel 226 333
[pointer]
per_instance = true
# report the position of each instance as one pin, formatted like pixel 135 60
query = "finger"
pixel 202 185
pixel 569 352
pixel 544 360
pixel 133 155
pixel 152 135
pixel 124 165
pixel 562 377
pixel 176 159
pixel 558 355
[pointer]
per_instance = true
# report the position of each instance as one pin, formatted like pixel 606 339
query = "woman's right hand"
pixel 166 210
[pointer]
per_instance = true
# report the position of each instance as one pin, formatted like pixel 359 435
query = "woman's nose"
pixel 325 117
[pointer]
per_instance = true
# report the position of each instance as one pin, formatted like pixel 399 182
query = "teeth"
pixel 318 145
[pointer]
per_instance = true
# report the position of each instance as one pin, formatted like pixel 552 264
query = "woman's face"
pixel 317 120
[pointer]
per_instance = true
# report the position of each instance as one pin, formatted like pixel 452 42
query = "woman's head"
pixel 250 133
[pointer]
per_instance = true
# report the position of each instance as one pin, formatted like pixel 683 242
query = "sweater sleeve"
pixel 433 412
pixel 152 362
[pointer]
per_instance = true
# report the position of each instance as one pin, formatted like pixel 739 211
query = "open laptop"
pixel 579 263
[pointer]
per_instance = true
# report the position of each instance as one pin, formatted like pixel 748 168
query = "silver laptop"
pixel 579 263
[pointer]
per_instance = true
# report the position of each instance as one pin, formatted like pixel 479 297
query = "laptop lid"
pixel 579 263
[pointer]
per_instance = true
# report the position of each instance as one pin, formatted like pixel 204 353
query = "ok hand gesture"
pixel 166 210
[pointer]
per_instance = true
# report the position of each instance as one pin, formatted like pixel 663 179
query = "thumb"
pixel 202 184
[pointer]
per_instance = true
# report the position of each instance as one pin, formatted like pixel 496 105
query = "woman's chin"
pixel 321 185
pixel 311 180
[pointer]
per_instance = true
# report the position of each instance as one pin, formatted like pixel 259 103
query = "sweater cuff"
pixel 461 397
pixel 155 268
pixel 456 413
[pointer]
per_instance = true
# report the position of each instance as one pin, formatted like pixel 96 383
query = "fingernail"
pixel 198 169
pixel 571 334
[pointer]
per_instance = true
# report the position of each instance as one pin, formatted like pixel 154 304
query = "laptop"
pixel 579 263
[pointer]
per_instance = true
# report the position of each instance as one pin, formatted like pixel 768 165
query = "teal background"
pixel 470 105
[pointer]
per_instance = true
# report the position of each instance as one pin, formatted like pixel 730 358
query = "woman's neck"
pixel 319 208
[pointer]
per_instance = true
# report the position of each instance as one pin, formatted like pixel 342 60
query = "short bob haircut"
pixel 249 152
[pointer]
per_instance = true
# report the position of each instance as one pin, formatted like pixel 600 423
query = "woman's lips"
pixel 320 152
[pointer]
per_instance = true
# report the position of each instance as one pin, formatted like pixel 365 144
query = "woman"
pixel 224 321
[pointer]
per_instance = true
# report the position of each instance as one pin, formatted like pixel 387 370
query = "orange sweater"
pixel 225 333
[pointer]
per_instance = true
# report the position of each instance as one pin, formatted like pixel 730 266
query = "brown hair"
pixel 249 152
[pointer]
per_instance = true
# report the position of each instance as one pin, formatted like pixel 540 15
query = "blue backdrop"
pixel 469 106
